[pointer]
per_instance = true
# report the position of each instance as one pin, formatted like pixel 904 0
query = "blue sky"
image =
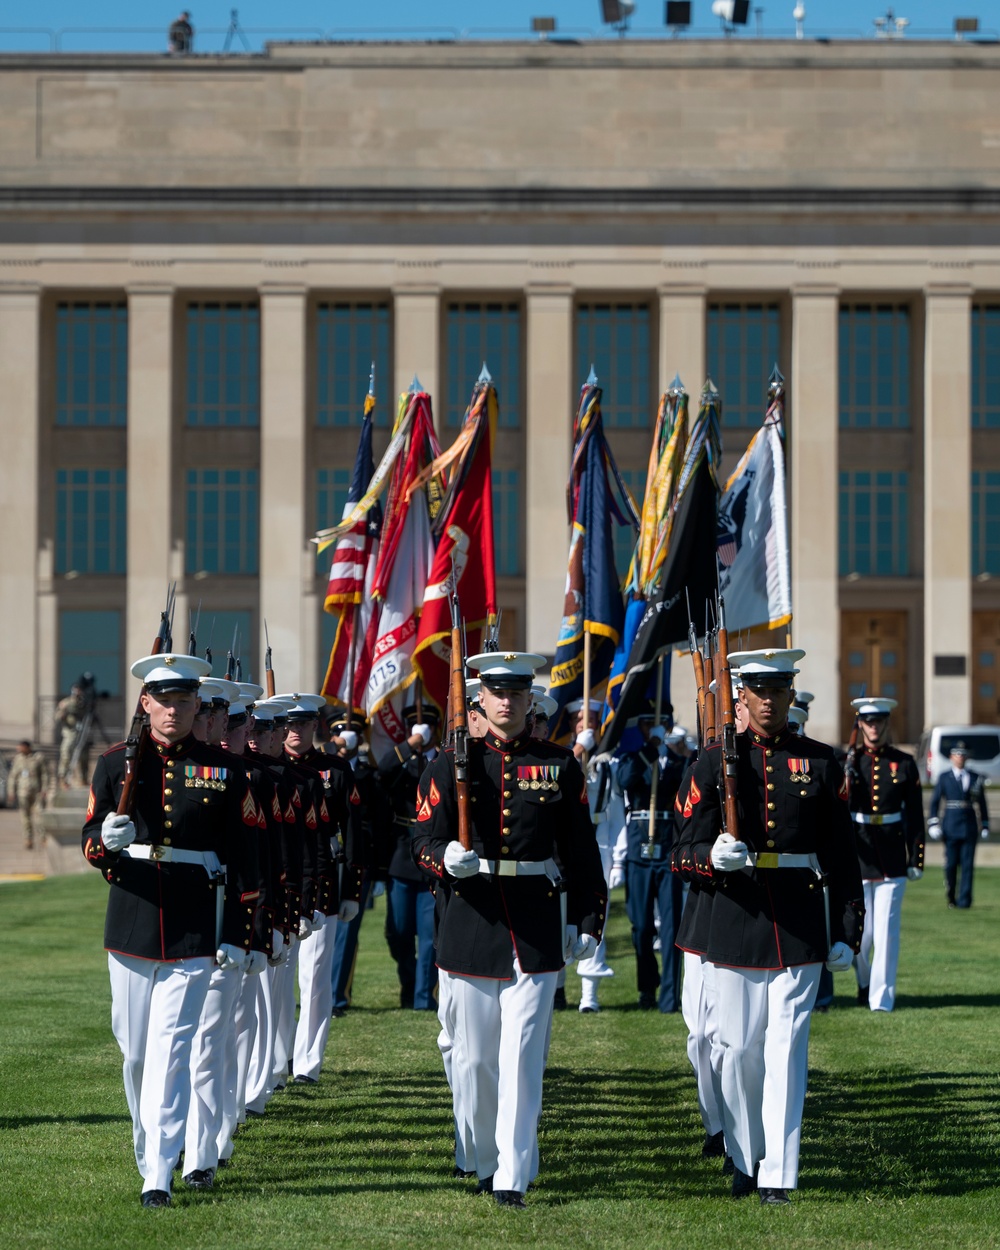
pixel 264 19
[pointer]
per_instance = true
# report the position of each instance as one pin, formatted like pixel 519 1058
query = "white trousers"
pixel 465 1152
pixel 501 1038
pixel 764 1030
pixel 256 1089
pixel 315 999
pixel 596 966
pixel 212 1075
pixel 703 1049
pixel 283 1003
pixel 236 1064
pixel 155 1009
pixel 878 959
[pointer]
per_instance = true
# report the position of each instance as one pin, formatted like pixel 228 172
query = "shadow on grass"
pixel 10 1122
pixel 912 1001
pixel 630 1134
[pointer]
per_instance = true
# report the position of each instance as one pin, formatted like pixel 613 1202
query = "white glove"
pixel 585 738
pixel 840 957
pixel 317 920
pixel 728 855
pixel 985 832
pixel 348 910
pixel 934 830
pixel 657 733
pixel 256 963
pixel 231 958
pixel 584 947
pixel 424 731
pixel 914 874
pixel 459 861
pixel 616 877
pixel 117 831
pixel 305 927
pixel 570 941
pixel 350 739
pixel 279 951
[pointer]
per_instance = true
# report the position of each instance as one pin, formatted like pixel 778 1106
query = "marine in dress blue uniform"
pixel 501 934
pixel 183 880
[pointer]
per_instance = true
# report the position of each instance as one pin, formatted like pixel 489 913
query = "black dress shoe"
pixel 305 1080
pixel 460 1174
pixel 715 1145
pixel 509 1198
pixel 559 1002
pixel 485 1186
pixel 156 1198
pixel 647 1000
pixel 743 1185
pixel 774 1198
pixel 863 991
pixel 338 1013
pixel 728 1166
pixel 200 1178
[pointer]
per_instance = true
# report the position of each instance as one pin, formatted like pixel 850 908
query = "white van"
pixel 981 741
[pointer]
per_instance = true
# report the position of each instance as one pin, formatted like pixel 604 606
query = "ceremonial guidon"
pixel 512 916
pixel 184 890
pixel 887 808
pixel 787 898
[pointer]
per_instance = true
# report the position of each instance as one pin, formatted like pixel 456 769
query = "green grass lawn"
pixel 900 1146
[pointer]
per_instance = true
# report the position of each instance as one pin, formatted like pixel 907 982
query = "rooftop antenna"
pixel 799 17
pixel 235 31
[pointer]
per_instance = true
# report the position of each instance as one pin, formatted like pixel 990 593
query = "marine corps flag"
pixel 463 559
pixel 352 572
pixel 593 611
pixel 754 575
pixel 689 568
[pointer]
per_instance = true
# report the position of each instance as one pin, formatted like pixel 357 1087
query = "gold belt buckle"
pixel 158 852
pixel 768 859
pixel 507 868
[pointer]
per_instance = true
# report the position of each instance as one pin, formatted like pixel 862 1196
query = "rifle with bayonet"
pixel 699 670
pixel 268 670
pixel 851 771
pixel 138 733
pixel 709 724
pixel 724 695
pixel 458 729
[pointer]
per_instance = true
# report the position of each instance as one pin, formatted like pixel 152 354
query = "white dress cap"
pixel 170 671
pixel 873 706
pixel 300 706
pixel 765 661
pixel 511 670
pixel 213 688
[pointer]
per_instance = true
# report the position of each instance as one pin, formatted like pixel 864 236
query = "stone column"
pixel 947 529
pixel 19 374
pixel 416 349
pixel 682 338
pixel 548 448
pixel 682 350
pixel 813 443
pixel 285 557
pixel 150 565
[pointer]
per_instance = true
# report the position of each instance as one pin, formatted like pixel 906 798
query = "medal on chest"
pixel 798 770
pixel 538 776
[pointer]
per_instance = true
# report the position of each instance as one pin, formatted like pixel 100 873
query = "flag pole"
pixel 586 684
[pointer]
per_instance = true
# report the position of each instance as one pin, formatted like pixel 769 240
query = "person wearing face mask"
pixel 787 899
pixel 887 808
pixel 962 792
pixel 513 916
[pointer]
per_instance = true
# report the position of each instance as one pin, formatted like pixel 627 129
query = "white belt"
pixel 174 855
pixel 772 859
pixel 519 868
pixel 866 818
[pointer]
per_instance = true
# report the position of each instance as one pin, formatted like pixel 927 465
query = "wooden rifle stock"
pixel 724 694
pixel 708 721
pixel 458 729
